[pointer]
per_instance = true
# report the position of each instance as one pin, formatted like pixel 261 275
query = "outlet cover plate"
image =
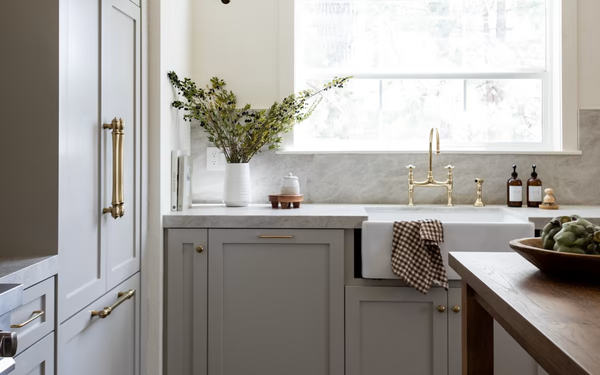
pixel 215 159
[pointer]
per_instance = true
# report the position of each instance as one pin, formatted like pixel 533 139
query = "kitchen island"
pixel 555 320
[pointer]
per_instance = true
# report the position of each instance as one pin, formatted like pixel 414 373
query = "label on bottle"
pixel 535 193
pixel 515 193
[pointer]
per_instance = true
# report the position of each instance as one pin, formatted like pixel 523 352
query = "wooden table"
pixel 556 321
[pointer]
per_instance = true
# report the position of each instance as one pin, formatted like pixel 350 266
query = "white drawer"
pixel 37 298
pixel 90 345
pixel 37 360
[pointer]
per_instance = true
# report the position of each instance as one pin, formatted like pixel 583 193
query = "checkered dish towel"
pixel 416 255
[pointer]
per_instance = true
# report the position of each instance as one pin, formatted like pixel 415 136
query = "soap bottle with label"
pixel 514 192
pixel 534 189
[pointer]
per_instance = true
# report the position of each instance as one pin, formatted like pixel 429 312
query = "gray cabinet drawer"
pixel 37 298
pixel 37 360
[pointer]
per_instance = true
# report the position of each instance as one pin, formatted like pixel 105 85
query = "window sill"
pixel 449 152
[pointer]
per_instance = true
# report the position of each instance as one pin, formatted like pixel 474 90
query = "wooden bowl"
pixel 581 266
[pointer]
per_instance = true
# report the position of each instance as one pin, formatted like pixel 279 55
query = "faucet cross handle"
pixel 410 167
pixel 449 167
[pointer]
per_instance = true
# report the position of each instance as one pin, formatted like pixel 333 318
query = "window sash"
pixel 558 118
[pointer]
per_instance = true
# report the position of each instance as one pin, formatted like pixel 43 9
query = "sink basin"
pixel 465 229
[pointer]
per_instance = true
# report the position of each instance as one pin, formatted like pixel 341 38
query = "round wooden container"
pixel 555 263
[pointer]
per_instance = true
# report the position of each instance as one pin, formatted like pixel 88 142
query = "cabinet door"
pixel 82 261
pixel 121 99
pixel 37 360
pixel 509 357
pixel 186 301
pixel 93 346
pixel 454 332
pixel 276 302
pixel 395 331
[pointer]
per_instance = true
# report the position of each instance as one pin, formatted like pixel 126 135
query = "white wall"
pixel 239 43
pixel 169 46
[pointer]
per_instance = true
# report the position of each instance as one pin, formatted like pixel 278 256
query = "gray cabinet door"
pixel 121 99
pixel 276 302
pixel 395 331
pixel 186 299
pixel 509 357
pixel 100 80
pixel 454 332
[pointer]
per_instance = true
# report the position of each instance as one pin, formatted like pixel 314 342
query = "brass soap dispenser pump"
pixel 514 188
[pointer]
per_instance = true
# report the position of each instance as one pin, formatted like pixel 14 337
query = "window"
pixel 483 72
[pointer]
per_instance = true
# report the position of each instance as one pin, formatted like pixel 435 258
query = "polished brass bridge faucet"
pixel 430 182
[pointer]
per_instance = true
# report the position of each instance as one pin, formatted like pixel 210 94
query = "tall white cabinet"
pixel 68 69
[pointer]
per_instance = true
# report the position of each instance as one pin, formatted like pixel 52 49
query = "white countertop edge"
pixel 340 216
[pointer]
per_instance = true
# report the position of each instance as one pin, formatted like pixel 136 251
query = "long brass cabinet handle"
pixel 265 236
pixel 123 296
pixel 116 210
pixel 35 315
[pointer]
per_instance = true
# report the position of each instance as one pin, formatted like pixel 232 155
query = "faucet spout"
pixel 437 143
pixel 431 182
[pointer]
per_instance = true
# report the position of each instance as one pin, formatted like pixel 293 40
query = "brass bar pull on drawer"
pixel 263 236
pixel 116 210
pixel 123 296
pixel 34 316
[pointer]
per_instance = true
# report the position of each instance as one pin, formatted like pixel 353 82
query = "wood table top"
pixel 557 321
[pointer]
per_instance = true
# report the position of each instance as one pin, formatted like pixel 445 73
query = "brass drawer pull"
pixel 116 210
pixel 456 309
pixel 441 308
pixel 34 316
pixel 262 236
pixel 123 296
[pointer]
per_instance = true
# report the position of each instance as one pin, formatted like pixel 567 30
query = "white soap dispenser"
pixel 290 185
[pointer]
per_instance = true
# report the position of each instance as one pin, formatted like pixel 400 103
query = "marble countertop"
pixel 333 216
pixel 338 216
pixel 27 270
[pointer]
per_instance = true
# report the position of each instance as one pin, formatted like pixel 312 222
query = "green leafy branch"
pixel 243 132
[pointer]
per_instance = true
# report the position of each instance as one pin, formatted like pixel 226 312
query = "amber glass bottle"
pixel 514 187
pixel 534 189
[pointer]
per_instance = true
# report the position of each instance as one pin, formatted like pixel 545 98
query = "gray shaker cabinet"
pixel 396 331
pixel 186 302
pixel 253 301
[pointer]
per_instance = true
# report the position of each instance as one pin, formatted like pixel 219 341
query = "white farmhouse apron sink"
pixel 465 229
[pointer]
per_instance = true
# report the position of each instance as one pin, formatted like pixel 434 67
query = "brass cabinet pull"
pixel 35 315
pixel 263 236
pixel 116 210
pixel 123 296
pixel 441 308
pixel 456 309
pixel 199 249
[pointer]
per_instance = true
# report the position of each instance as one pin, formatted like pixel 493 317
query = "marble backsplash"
pixel 372 179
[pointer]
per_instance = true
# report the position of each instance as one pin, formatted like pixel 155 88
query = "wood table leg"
pixel 477 335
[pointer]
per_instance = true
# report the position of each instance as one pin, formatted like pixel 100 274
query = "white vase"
pixel 238 192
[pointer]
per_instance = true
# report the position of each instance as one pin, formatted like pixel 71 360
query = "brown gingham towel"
pixel 416 255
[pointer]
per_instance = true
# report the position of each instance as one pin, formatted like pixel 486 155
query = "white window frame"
pixel 560 117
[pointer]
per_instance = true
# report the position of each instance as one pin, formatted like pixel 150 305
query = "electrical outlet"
pixel 215 159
